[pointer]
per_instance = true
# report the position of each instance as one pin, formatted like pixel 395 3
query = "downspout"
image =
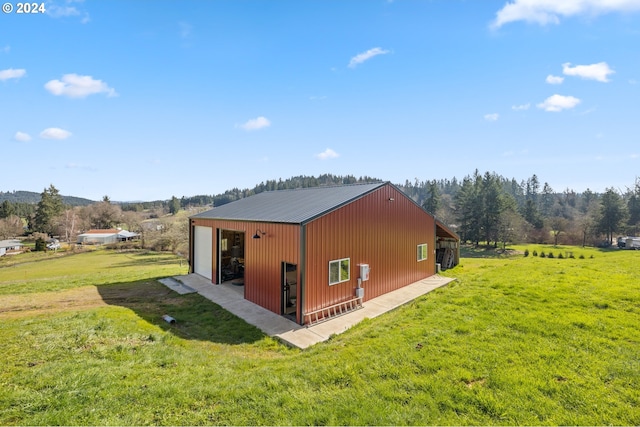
pixel 302 270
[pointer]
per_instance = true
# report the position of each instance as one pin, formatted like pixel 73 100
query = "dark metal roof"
pixel 290 206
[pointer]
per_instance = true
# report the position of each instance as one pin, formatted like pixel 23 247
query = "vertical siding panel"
pixel 372 230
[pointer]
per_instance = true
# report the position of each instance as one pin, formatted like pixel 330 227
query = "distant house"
pixel 314 252
pixel 104 237
pixel 9 246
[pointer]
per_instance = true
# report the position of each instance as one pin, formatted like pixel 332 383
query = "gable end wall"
pixel 372 230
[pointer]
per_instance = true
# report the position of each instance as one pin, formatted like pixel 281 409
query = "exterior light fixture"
pixel 391 199
pixel 258 233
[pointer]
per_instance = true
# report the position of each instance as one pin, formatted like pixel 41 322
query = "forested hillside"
pixel 30 197
pixel 481 207
pixel 487 207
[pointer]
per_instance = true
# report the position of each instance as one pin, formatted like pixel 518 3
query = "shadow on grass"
pixel 196 317
pixel 481 251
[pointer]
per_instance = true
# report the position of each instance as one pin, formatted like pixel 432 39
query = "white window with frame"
pixel 339 271
pixel 422 252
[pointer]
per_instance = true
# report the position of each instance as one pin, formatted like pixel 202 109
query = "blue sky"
pixel 148 99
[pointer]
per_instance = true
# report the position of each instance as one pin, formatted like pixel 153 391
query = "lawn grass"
pixel 514 341
pixel 52 271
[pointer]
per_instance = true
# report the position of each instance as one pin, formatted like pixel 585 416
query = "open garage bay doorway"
pixel 231 257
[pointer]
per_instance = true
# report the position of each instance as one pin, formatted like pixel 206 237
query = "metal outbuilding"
pixel 313 253
pixel 9 246
pixel 106 236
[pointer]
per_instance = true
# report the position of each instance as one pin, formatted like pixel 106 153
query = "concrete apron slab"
pixel 305 336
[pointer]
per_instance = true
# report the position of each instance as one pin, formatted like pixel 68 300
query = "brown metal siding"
pixel 372 230
pixel 263 257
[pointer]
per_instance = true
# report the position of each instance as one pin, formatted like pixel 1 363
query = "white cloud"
pixel 520 107
pixel 76 86
pixel 554 80
pixel 185 29
pixel 56 11
pixel 79 166
pixel 556 103
pixel 5 49
pixel 491 117
pixel 12 73
pixel 545 12
pixel 327 154
pixel 22 137
pixel 599 71
pixel 589 111
pixel 364 56
pixel 255 124
pixel 55 133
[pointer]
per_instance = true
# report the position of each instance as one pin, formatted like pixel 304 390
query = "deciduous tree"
pixel 11 227
pixel 102 215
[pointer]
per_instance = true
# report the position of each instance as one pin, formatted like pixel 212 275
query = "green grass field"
pixel 514 341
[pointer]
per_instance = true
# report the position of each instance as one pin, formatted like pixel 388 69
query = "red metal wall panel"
pixel 263 257
pixel 382 229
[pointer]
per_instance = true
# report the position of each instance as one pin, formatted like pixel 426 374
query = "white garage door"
pixel 202 242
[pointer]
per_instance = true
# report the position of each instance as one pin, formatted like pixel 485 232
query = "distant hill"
pixel 31 197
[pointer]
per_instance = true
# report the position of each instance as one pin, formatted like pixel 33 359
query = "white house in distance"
pixel 104 237
pixel 9 246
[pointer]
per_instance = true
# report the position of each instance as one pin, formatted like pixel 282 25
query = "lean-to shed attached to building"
pixel 314 252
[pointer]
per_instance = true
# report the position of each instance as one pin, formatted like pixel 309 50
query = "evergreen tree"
pixel 612 213
pixel 174 205
pixel 530 210
pixel 469 208
pixel 633 207
pixel 49 207
pixel 7 209
pixel 432 202
pixel 491 207
pixel 547 200
pixel 586 198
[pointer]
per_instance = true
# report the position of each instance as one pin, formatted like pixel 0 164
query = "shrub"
pixel 535 253
pixel 551 255
pixel 581 256
pixel 526 252
pixel 41 245
pixel 542 255
pixel 560 255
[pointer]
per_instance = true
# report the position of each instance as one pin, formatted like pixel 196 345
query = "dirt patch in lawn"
pixel 84 298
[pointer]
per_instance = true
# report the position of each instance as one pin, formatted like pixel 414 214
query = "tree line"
pixel 488 208
pixel 482 208
pixel 51 217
